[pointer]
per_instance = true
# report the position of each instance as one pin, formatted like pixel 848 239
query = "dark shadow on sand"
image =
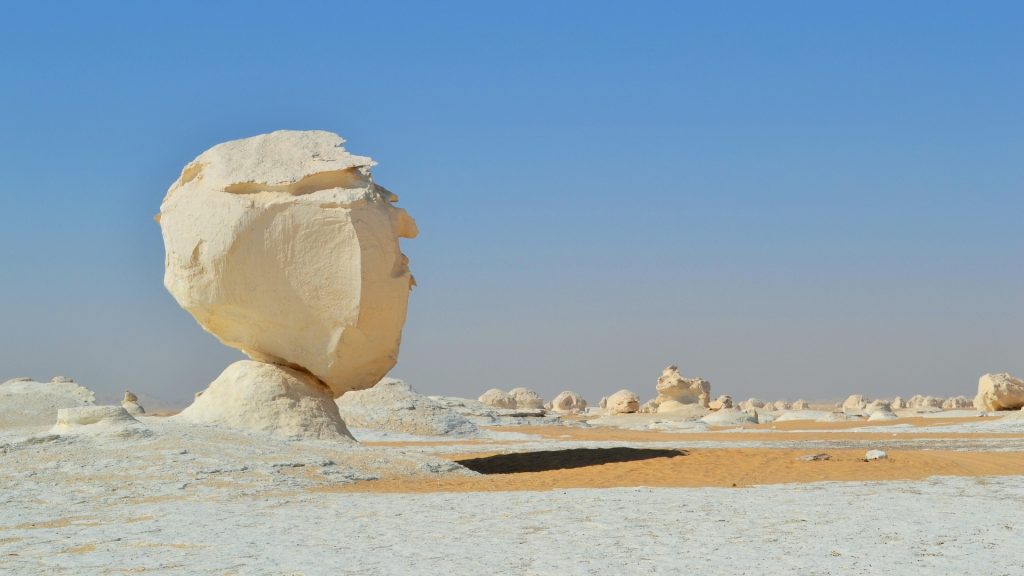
pixel 562 459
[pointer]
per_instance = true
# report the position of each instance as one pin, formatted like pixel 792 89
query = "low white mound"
pixel 568 402
pixel 622 402
pixel 999 392
pixel 810 415
pixel 393 406
pixel 526 398
pixel 25 402
pixel 723 401
pixel 263 397
pixel 801 405
pixel 882 415
pixel 855 403
pixel 483 415
pixel 496 398
pixel 95 420
pixel 878 406
pixel 729 417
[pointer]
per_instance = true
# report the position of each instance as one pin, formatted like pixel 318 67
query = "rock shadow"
pixel 546 460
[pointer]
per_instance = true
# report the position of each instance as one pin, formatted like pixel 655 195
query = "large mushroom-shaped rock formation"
pixel 999 392
pixel 673 387
pixel 283 246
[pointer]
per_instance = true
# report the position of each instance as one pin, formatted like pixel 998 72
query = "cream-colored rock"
pixel 801 405
pixel 25 402
pixel 780 405
pixel 678 410
pixel 649 407
pixel 999 392
pixel 898 403
pixel 130 403
pixel 882 415
pixel 526 398
pixel 95 420
pixel 623 402
pixel 855 403
pixel 957 403
pixel 393 406
pixel 568 402
pixel 282 246
pixel 672 386
pixel 496 398
pixel 730 417
pixel 751 403
pixel 603 403
pixel 877 406
pixel 263 397
pixel 723 401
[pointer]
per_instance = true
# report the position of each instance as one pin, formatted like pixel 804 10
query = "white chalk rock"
pixel 130 403
pixel 801 405
pixel 496 398
pixel 672 386
pixel 751 403
pixel 526 398
pixel 680 410
pixel 25 402
pixel 569 402
pixel 855 403
pixel 897 403
pixel 282 246
pixel 877 406
pixel 393 406
pixel 623 402
pixel 882 415
pixel 262 397
pixel 999 392
pixel 780 405
pixel 95 420
pixel 875 455
pixel 723 401
pixel 603 403
pixel 730 417
pixel 957 403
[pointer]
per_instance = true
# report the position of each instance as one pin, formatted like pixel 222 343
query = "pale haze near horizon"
pixel 799 201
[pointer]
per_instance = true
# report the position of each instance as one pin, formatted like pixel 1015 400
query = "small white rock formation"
pixel 999 392
pixel 496 398
pixel 603 403
pixel 801 405
pixel 282 246
pixel 898 403
pixel 62 380
pixel 723 401
pixel 130 403
pixel 780 405
pixel 875 455
pixel 95 420
pixel 730 417
pixel 649 407
pixel 855 403
pixel 263 397
pixel 622 402
pixel 25 402
pixel 877 406
pixel 393 406
pixel 919 401
pixel 882 415
pixel 568 402
pixel 957 403
pixel 751 403
pixel 672 386
pixel 526 398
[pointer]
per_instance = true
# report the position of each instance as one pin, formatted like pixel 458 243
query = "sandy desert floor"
pixel 174 499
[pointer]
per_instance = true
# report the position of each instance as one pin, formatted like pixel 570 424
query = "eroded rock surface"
pixel 673 386
pixel 568 402
pixel 999 392
pixel 393 406
pixel 622 402
pixel 25 402
pixel 283 246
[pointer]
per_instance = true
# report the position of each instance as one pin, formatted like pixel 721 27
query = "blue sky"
pixel 794 199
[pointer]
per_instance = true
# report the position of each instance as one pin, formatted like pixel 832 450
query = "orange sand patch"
pixel 707 467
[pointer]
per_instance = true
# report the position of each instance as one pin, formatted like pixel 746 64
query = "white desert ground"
pixel 306 459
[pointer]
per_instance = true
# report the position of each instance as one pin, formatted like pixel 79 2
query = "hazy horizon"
pixel 792 201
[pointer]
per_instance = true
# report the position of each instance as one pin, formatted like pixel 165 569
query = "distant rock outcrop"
pixel 526 398
pixel 568 402
pixel 25 402
pixel 131 404
pixel 623 402
pixel 496 398
pixel 999 392
pixel 672 386
pixel 393 406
